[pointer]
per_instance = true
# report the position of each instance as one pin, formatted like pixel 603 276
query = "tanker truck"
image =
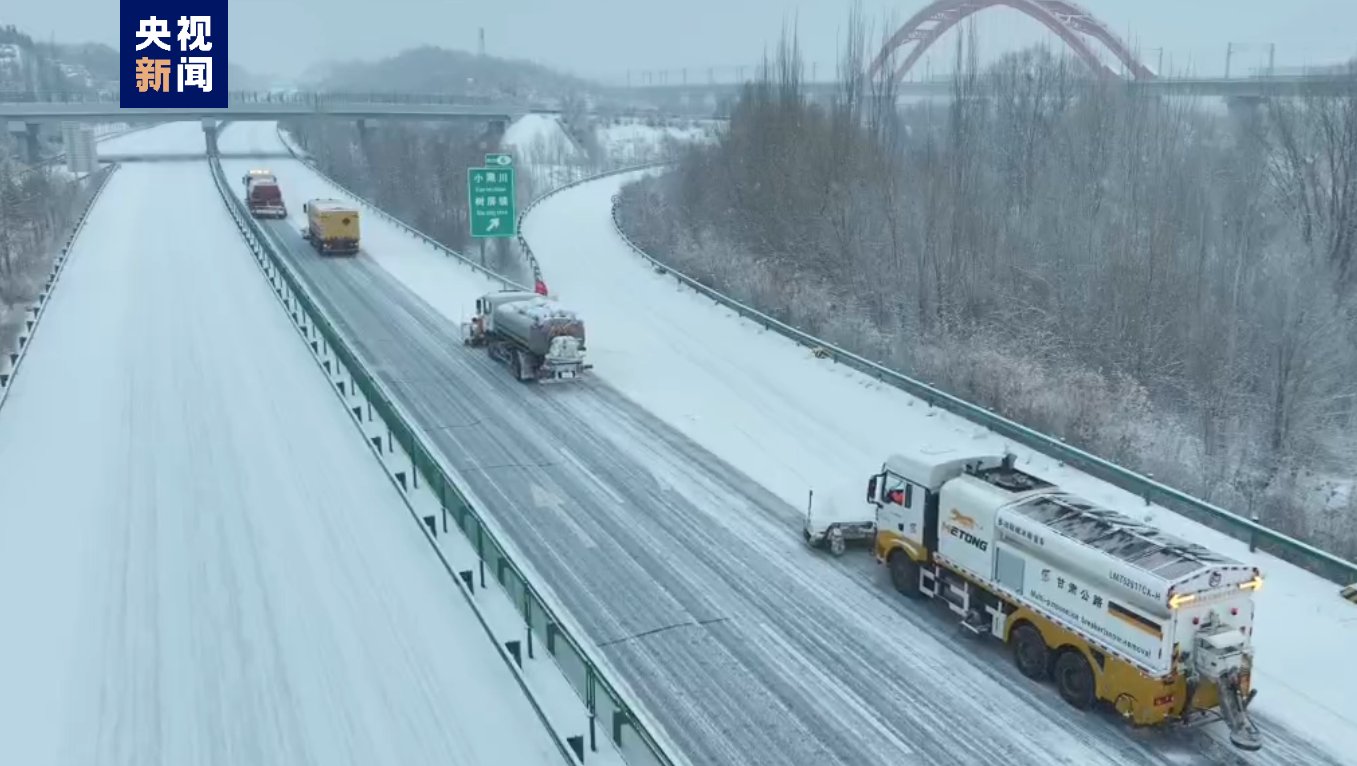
pixel 534 335
pixel 1111 609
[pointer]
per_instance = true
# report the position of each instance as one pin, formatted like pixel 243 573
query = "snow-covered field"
pixel 630 141
pixel 200 560
pixel 540 139
pixel 542 148
pixel 796 423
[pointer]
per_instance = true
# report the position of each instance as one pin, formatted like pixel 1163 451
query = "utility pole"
pixel 481 45
pixel 1229 53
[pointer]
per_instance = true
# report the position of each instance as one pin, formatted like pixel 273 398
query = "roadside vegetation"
pixel 1167 283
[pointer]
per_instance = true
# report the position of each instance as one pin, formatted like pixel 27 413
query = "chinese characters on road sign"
pixel 172 58
pixel 490 198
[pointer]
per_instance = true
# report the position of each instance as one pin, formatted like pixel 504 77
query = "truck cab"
pixel 905 496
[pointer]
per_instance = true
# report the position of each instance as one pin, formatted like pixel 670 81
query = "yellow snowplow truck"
pixel 331 226
pixel 1109 608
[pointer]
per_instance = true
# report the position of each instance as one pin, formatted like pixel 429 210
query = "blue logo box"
pixel 172 54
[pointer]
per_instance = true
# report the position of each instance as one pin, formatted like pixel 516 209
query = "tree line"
pixel 35 210
pixel 1166 282
pixel 416 172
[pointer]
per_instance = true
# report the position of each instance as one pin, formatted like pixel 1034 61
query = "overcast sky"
pixel 605 38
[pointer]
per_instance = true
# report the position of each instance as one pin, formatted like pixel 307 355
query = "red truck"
pixel 262 195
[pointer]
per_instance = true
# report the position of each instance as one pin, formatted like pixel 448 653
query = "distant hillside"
pixel 439 70
pixel 31 67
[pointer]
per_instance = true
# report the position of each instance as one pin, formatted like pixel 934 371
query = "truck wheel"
pixel 518 366
pixel 1074 679
pixel 904 573
pixel 1030 652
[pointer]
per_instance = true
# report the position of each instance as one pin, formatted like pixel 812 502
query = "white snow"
pixel 177 138
pixel 200 560
pixel 794 423
pixel 630 141
pixel 448 285
pixel 540 138
pixel 843 503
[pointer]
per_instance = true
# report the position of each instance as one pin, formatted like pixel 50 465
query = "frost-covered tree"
pixel 1166 286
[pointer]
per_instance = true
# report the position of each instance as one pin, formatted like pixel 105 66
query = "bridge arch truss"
pixel 1072 23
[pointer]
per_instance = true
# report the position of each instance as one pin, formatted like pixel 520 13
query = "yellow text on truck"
pixel 331 226
pixel 1107 607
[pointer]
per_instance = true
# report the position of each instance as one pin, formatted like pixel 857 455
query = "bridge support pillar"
pixel 32 144
pixel 210 130
pixel 362 126
pixel 1245 111
pixel 494 134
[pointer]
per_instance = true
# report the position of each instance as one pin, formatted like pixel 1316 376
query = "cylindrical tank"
pixel 536 321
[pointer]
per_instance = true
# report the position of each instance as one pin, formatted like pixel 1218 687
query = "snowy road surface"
pixel 171 138
pixel 793 423
pixel 200 560
pixel 688 575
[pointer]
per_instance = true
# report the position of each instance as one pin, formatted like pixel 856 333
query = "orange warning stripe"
pixel 1134 620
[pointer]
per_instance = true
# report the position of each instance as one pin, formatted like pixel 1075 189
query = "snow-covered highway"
pixel 201 562
pixel 687 573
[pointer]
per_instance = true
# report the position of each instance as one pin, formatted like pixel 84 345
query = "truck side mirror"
pixel 871 489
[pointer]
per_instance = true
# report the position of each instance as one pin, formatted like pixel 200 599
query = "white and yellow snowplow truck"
pixel 1110 608
pixel 534 335
pixel 331 226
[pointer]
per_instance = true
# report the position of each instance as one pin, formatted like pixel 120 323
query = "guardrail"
pixel 1283 546
pixel 629 732
pixel 508 284
pixel 523 214
pixel 9 366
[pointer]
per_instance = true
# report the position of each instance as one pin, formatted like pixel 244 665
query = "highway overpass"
pixel 244 107
pixel 1334 84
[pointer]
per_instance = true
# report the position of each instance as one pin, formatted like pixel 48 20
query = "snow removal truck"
pixel 263 197
pixel 1107 607
pixel 533 334
pixel 331 226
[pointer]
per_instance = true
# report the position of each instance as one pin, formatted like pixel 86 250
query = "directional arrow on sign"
pixel 494 224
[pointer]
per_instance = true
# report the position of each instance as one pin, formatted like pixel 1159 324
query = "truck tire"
pixel 1074 679
pixel 517 362
pixel 904 573
pixel 1030 652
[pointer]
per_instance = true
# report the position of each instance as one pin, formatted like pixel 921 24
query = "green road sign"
pixel 490 199
pixel 499 160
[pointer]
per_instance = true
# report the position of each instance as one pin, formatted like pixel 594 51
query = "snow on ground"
pixel 629 141
pixel 540 138
pixel 170 138
pixel 794 423
pixel 200 560
pixel 400 253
